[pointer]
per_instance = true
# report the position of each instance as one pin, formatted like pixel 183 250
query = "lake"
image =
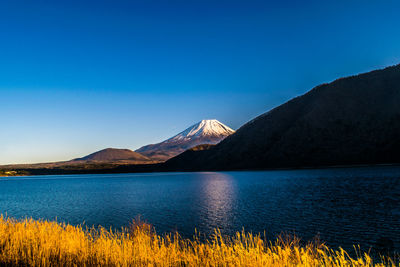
pixel 343 206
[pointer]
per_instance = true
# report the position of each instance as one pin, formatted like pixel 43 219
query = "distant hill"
pixel 203 132
pixel 114 155
pixel 100 161
pixel 354 120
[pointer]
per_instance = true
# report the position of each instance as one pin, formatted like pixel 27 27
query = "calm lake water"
pixel 343 206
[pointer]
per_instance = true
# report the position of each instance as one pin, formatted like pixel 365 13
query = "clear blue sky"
pixel 79 76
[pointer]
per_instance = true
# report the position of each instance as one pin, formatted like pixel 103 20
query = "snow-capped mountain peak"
pixel 203 132
pixel 211 128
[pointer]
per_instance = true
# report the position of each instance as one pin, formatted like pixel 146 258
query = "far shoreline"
pixel 149 168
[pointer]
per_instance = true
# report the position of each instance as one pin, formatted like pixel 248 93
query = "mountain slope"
pixel 204 132
pixel 354 120
pixel 114 155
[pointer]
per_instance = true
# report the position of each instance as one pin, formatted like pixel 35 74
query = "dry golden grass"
pixel 43 243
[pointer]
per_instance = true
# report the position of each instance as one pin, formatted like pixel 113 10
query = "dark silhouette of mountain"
pixel 204 132
pixel 353 120
pixel 114 155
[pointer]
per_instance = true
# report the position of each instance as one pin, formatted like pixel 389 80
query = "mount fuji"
pixel 203 132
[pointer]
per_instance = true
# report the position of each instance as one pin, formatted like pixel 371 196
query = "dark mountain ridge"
pixel 353 120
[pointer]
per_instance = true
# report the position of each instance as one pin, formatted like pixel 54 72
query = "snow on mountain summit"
pixel 204 128
pixel 203 132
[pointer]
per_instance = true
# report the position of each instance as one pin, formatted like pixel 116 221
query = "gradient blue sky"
pixel 79 76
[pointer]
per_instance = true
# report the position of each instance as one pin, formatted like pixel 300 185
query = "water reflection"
pixel 218 195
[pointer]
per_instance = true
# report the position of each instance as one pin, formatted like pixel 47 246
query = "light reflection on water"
pixel 218 197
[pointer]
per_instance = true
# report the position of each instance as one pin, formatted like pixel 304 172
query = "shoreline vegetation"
pixel 12 173
pixel 31 242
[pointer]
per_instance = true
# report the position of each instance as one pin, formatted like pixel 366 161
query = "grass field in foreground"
pixel 42 243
